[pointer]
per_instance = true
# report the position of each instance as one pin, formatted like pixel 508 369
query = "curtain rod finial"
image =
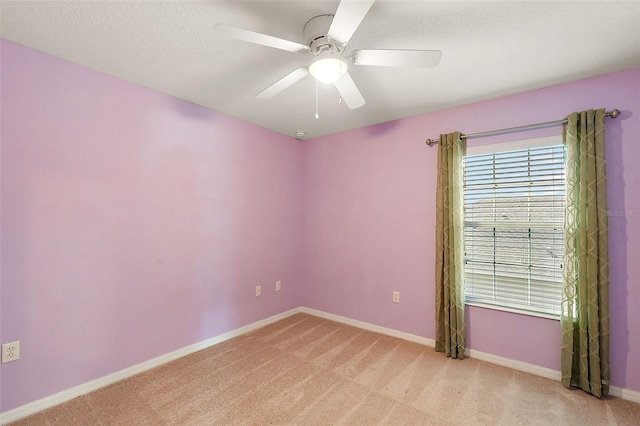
pixel 431 142
pixel 613 113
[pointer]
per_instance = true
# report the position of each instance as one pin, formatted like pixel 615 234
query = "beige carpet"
pixel 306 370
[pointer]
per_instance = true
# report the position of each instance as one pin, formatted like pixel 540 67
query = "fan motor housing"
pixel 315 32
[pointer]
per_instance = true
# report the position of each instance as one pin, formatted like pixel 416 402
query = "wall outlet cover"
pixel 11 351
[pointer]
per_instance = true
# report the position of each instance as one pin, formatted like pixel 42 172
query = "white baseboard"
pixel 371 327
pixel 60 397
pixel 515 365
pixel 543 372
pixel 482 356
pixel 623 393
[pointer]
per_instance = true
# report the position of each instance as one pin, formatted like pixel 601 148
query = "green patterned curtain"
pixel 585 304
pixel 450 247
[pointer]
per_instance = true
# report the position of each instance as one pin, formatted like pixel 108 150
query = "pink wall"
pixel 368 221
pixel 133 224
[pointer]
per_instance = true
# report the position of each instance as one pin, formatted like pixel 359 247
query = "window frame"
pixel 542 142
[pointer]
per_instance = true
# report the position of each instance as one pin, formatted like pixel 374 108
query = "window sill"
pixel 513 311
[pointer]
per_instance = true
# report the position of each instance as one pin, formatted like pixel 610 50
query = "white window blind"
pixel 514 206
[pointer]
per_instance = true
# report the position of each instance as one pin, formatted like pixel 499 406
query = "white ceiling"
pixel 490 49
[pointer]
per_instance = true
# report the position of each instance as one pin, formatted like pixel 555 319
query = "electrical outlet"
pixel 11 351
pixel 396 297
pixel 258 290
pixel 278 285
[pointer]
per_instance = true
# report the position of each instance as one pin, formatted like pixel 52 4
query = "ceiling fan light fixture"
pixel 328 70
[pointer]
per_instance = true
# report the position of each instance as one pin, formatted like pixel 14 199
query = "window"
pixel 514 208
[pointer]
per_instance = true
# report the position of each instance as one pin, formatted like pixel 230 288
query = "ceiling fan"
pixel 327 36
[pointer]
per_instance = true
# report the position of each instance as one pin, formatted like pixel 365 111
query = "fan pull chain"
pixel 317 114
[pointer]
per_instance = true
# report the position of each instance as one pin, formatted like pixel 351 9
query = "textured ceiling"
pixel 489 49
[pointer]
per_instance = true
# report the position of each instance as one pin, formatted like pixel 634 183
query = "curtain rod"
pixel 431 142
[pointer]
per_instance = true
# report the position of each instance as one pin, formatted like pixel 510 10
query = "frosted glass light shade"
pixel 328 70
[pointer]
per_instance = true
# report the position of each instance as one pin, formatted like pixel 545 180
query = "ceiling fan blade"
pixel 349 92
pixel 397 58
pixel 283 83
pixel 259 38
pixel 348 17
